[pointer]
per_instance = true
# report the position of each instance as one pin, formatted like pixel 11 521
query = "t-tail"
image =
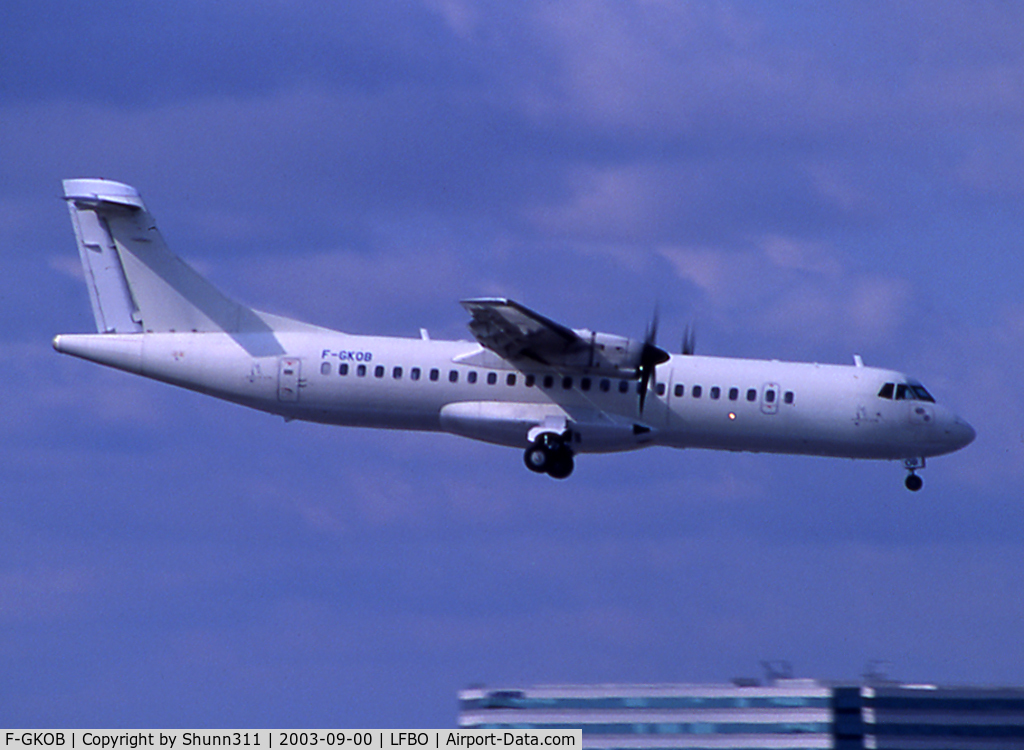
pixel 136 284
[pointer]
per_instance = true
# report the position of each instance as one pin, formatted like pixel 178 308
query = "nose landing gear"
pixel 549 454
pixel 913 482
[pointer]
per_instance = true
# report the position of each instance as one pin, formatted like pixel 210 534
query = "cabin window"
pixel 510 379
pixel 471 376
pixel 788 397
pixel 660 388
pixel 584 384
pixel 453 376
pixel 887 390
pixel 378 371
pixel 397 373
pixel 549 381
pixel 696 391
pixel 734 393
pixel 751 394
pixel 435 374
pixel 530 380
pixel 492 378
pixel 414 373
pixel 716 392
pixel 678 391
pixel 605 385
pixel 567 383
pixel 325 368
pixel 623 386
pixel 343 368
pixel 769 396
pixel 361 371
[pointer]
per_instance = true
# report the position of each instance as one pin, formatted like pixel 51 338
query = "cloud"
pixel 609 203
pixel 461 16
pixel 640 68
pixel 359 292
pixel 660 67
pixel 62 386
pixel 788 287
pixel 980 365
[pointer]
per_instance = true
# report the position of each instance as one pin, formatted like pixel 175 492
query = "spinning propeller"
pixel 650 357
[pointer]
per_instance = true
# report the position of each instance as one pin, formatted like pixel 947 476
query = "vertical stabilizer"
pixel 136 283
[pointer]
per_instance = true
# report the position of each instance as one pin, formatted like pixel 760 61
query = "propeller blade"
pixel 651 336
pixel 650 357
pixel 645 377
pixel 689 340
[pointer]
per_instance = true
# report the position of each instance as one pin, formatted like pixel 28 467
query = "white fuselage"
pixel 526 380
pixel 326 376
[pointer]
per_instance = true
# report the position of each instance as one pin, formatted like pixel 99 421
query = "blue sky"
pixel 800 181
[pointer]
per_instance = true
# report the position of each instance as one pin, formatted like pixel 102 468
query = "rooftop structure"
pixel 782 714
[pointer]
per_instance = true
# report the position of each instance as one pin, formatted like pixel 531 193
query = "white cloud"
pixel 461 16
pixel 981 367
pixel 61 384
pixel 613 202
pixel 644 67
pixel 784 285
pixel 355 291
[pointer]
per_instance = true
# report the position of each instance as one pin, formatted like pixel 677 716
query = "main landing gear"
pixel 549 454
pixel 913 482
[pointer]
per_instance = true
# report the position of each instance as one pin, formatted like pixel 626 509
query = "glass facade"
pixel 795 715
pixel 895 717
pixel 781 714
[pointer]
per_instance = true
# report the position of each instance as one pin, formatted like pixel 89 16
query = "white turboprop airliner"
pixel 525 382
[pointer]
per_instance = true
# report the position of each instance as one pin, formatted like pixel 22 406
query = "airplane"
pixel 525 381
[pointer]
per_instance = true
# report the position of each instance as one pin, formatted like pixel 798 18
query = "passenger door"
pixel 289 370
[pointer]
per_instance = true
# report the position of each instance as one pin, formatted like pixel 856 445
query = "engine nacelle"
pixel 609 354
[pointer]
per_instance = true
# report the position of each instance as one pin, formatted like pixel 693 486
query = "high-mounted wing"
pixel 517 333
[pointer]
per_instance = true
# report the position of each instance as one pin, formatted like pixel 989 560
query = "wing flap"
pixel 515 332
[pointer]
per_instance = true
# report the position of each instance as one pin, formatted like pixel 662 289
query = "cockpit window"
pixel 905 392
pixel 921 393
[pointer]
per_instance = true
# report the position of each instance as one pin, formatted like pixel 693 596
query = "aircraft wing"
pixel 517 333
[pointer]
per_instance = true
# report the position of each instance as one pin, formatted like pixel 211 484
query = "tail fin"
pixel 136 284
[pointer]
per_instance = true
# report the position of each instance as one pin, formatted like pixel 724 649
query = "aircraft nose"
pixel 959 433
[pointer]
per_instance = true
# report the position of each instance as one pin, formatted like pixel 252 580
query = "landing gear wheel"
pixel 561 463
pixel 537 459
pixel 549 455
pixel 913 482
